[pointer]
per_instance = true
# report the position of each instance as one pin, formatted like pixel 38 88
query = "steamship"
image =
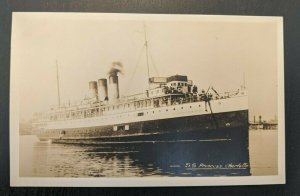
pixel 171 109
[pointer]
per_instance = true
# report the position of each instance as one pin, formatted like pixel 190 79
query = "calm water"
pixel 147 159
pixel 263 152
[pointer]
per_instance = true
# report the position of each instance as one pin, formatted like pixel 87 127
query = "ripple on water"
pixel 82 160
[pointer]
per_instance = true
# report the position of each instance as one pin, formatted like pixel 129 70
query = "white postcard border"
pixel 16 180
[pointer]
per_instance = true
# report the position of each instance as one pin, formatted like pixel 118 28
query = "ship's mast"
pixel 147 56
pixel 57 82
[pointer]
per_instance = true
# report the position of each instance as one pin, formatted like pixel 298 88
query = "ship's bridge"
pixel 169 85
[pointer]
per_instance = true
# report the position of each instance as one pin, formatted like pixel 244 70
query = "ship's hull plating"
pixel 210 127
pixel 190 145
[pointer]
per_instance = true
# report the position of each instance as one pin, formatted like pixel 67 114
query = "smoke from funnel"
pixel 116 68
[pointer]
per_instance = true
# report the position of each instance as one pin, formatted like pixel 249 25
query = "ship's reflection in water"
pixel 188 158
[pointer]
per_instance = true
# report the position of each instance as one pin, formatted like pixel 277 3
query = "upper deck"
pixel 164 97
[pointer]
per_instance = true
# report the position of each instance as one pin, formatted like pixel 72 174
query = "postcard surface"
pixel 146 100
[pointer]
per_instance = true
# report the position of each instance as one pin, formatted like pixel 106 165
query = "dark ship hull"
pixel 231 126
pixel 204 145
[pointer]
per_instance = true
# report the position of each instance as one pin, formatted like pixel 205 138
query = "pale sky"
pixel 209 51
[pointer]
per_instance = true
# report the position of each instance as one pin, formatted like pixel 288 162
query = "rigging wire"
pixel 154 66
pixel 135 68
pixel 146 46
pixel 148 54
